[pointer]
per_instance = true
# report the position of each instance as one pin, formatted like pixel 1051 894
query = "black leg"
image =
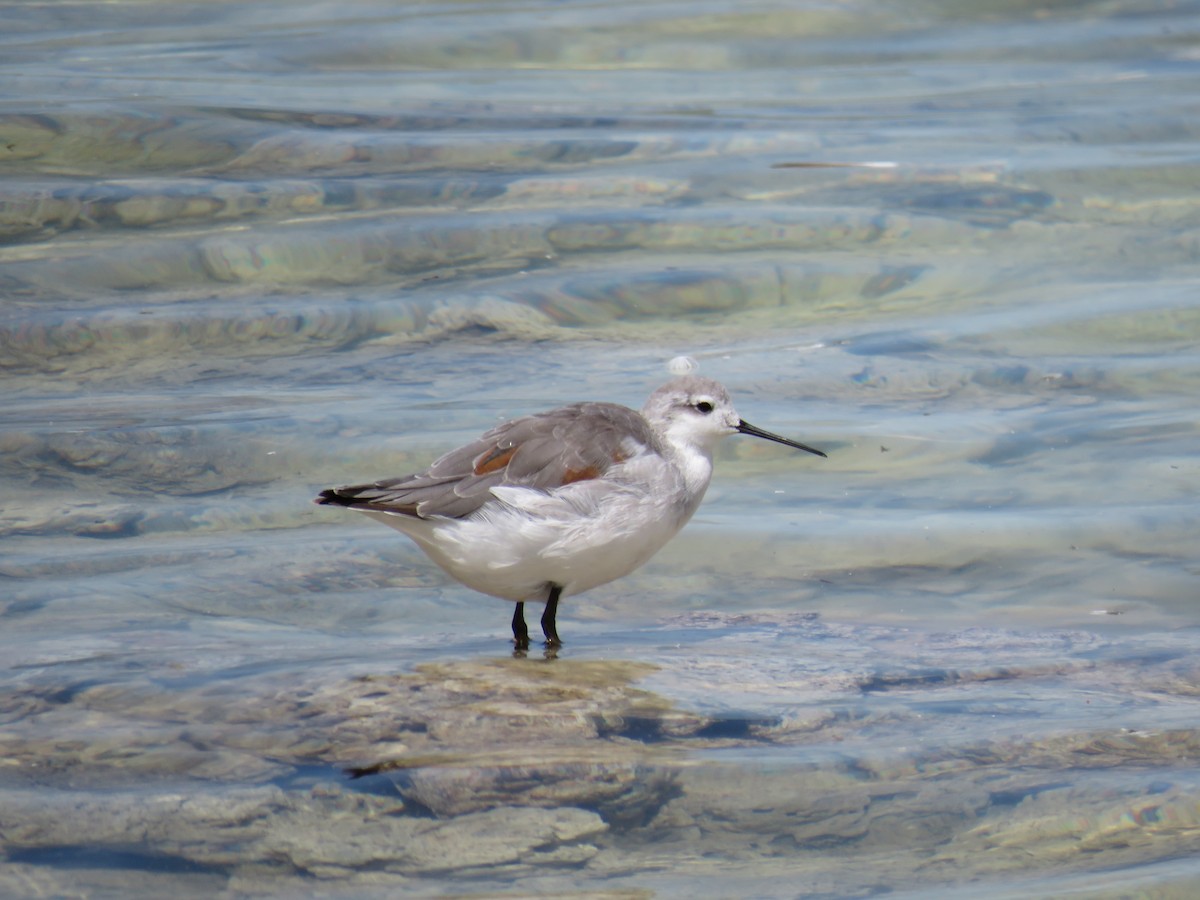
pixel 520 630
pixel 548 628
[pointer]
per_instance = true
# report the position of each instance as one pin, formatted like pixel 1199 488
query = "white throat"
pixel 695 464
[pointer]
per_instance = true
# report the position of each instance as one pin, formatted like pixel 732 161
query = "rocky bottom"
pixel 840 762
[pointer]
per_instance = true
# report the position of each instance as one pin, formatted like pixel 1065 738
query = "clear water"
pixel 250 251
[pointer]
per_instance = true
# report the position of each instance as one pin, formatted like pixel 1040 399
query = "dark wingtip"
pixel 331 497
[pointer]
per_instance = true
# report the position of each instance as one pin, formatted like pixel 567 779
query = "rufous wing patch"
pixel 494 461
pixel 587 473
pixel 570 476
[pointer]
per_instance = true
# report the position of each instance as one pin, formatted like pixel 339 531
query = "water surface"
pixel 250 252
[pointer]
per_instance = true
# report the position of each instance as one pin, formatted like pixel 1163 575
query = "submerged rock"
pixel 907 753
pixel 326 832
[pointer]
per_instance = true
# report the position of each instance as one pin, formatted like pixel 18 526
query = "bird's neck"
pixel 695 465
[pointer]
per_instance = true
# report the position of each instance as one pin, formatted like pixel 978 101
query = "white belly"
pixel 581 536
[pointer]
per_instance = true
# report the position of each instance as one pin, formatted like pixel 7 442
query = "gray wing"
pixel 543 451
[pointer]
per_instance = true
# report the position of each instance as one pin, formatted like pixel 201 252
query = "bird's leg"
pixel 520 630
pixel 548 628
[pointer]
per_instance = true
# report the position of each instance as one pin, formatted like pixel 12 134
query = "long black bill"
pixel 745 427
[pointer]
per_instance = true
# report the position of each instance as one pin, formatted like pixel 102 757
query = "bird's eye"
pixel 704 406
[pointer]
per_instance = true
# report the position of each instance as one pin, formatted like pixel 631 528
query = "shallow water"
pixel 246 256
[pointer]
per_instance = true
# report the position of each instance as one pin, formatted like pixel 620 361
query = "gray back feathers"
pixel 544 451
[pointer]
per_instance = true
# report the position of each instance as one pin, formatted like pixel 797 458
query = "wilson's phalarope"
pixel 549 505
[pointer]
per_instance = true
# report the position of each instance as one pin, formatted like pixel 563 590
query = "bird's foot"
pixel 520 631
